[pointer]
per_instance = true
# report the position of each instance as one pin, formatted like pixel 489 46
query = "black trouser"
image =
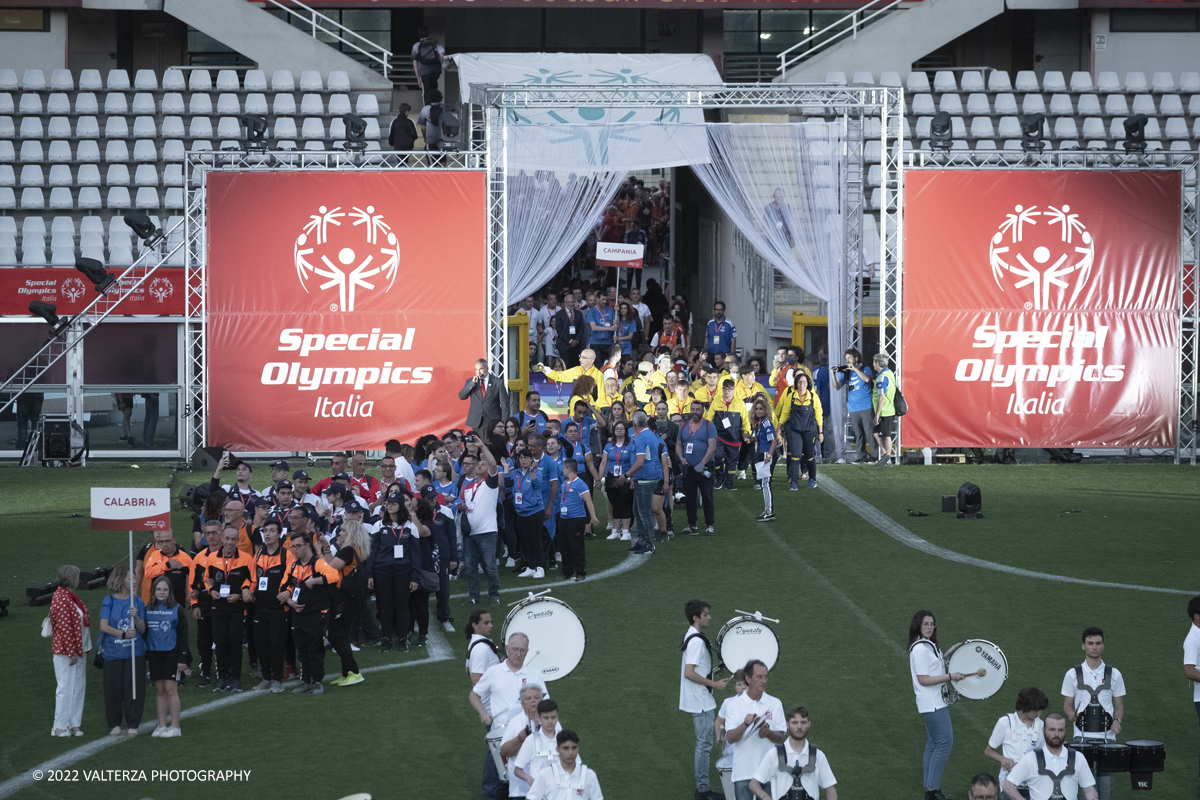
pixel 529 531
pixel 343 616
pixel 367 629
pixel 391 593
pixel 251 644
pixel 568 532
pixel 570 357
pixel 694 482
pixel 621 498
pixel 725 459
pixel 270 634
pixel 204 642
pixel 802 454
pixel 418 611
pixel 290 645
pixel 119 703
pixel 510 537
pixel 746 455
pixel 309 630
pixel 228 629
pixel 443 592
pixel 428 84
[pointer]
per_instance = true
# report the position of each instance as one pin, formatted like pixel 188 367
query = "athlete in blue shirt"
pixel 764 438
pixel 574 512
pixel 648 472
pixel 721 336
pixel 603 323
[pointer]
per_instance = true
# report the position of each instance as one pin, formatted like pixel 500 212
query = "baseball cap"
pixel 298 474
pixel 280 464
pixel 341 476
pixel 334 488
pixel 429 493
pixel 353 507
pixel 257 502
pixel 284 484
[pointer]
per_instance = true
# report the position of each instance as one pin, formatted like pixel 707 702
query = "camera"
pixel 842 368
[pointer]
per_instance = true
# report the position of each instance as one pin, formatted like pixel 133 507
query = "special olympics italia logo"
pixel 72 289
pixel 1045 259
pixel 161 289
pixel 344 257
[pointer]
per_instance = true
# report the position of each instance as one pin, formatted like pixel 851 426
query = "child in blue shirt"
pixel 764 437
pixel 575 512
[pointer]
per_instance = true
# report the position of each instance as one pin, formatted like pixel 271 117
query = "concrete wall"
pixel 1143 52
pixel 22 50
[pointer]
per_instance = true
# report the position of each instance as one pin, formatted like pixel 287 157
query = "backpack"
pixel 899 403
pixel 427 53
pixel 435 113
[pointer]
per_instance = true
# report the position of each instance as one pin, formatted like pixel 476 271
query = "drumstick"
pixel 758 617
pixel 530 597
pixel 979 673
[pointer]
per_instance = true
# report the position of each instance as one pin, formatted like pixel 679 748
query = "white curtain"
pixel 780 186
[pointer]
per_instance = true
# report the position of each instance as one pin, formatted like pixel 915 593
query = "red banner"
pixel 345 308
pixel 69 291
pixel 1041 308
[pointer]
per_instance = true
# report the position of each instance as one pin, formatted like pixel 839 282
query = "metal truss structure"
pixel 1187 163
pixel 199 164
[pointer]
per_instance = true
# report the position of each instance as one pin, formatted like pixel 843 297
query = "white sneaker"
pixel 159 731
pixel 354 648
pixel 558 558
pixel 172 733
pixel 741 475
pixel 625 535
pixel 616 534
pixel 510 563
pixel 528 573
pixel 541 573
pixel 448 627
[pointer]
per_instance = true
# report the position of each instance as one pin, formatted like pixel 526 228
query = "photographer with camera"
pixel 859 406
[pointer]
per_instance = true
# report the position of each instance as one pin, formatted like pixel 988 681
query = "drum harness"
pixel 797 791
pixel 491 645
pixel 1105 683
pixel 707 648
pixel 1057 794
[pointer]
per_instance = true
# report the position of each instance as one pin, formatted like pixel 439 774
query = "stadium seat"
pixel 7 178
pixel 6 103
pixel 62 226
pixel 118 197
pixel 91 224
pixel 60 175
pixel 172 103
pixel 310 81
pixel 1108 82
pixel 117 175
pixel 1153 129
pixel 200 128
pixel 923 125
pixel 1060 105
pixel 8 79
pixel 145 80
pixel 1093 128
pixel 32 255
pixel 834 78
pixel 7 129
pixel 31 128
pixel 282 81
pixel 85 103
pixel 199 145
pixel 1027 81
pixel 337 130
pixel 116 128
pixel 1054 81
pixel 312 105
pixel 8 254
pixel 172 175
pixel 372 131
pixel 283 104
pixel 200 104
pixel 367 105
pixel 944 81
pixel 863 79
pixel 143 103
pixel 1009 127
pixel 147 197
pixel 32 175
pixel 34 80
pixel 118 80
pixel 950 103
pixel 1089 104
pixel 256 103
pixel 227 81
pixel 57 103
pixel 115 103
pixel 972 81
pixel 1135 82
pixel 173 81
pixel 61 80
pixel 228 103
pixel 1064 128
pixel 1006 103
pixel 8 199
pixel 998 81
pixel 147 175
pixel 32 153
pixel 174 198
pixel 338 81
pixel 120 255
pixel 1194 106
pixel 922 104
pixel 89 80
pixel 173 149
pixel 1081 81
pixel 285 128
pixel 33 226
pixel 145 150
pixel 87 151
pixel 200 81
pixel 92 251
pixel 60 198
pixel 172 127
pixel 891 79
pixel 1171 106
pixel 339 104
pixel 1162 82
pixel 88 175
pixel 229 128
pixel 316 145
pixel 918 82
pixel 116 152
pixel 62 256
pixel 981 128
pixel 1176 128
pixel 255 81
pixel 1033 104
pixel 32 198
pixel 313 128
pixel 144 128
pixel 1115 105
pixel 30 104
pixel 1143 104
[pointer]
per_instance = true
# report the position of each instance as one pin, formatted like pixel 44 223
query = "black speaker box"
pixel 205 459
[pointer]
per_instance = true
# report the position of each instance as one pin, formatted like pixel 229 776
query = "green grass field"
pixel 844 590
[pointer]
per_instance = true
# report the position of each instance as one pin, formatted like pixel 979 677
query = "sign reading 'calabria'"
pixel 131 509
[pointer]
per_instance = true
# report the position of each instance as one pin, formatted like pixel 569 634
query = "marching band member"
pixel 928 673
pixel 1017 733
pixel 1052 770
pixel 568 778
pixel 1095 691
pixel 762 725
pixel 795 761
pixel 538 749
pixel 516 731
pixel 695 690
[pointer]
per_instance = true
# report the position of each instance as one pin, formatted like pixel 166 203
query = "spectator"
pixel 763 444
pixel 123 623
pixel 430 119
pixel 821 383
pixel 695 448
pixel 800 419
pixel 166 643
pixel 729 415
pixel 570 332
pixel 392 565
pixel 403 134
pixel 883 399
pixel 602 323
pixel 427 57
pixel 629 329
pixel 651 469
pixel 70 638
pixel 477 517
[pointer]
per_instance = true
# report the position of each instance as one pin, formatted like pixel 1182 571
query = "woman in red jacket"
pixel 71 639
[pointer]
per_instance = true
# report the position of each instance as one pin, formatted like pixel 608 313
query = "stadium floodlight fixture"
pixel 356 132
pixel 1031 133
pixel 256 132
pixel 49 312
pixel 1135 133
pixel 144 228
pixel 941 131
pixel 95 272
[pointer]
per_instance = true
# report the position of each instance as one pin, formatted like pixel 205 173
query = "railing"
pixel 855 20
pixel 317 22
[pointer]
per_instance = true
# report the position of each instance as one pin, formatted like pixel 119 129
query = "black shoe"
pixel 690 530
pixel 421 641
pixel 204 681
pixel 474 601
pixel 495 600
pixel 385 645
pixel 221 685
pixel 936 794
pixel 235 685
pixel 635 548
pixel 402 646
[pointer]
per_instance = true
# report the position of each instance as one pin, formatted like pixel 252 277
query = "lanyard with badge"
pixel 262 579
pixel 692 429
pixel 473 487
pixel 224 589
pixel 300 580
pixel 616 468
pixel 566 491
pixel 398 547
pixel 518 495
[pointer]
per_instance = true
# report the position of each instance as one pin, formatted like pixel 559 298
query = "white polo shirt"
pixel 557 784
pixel 695 698
pixel 1092 677
pixel 500 691
pixel 781 782
pixel 1025 773
pixel 537 753
pixel 480 501
pixel 482 658
pixel 925 658
pixel 1012 738
pixel 748 751
pixel 1191 655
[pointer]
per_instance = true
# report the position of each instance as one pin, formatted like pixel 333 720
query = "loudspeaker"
pixel 948 501
pixel 56 437
pixel 205 459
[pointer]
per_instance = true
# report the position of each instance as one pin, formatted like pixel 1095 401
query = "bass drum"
pixel 744 638
pixel 556 636
pixel 973 657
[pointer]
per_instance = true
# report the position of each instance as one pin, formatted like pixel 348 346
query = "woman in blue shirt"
pixel 628 326
pixel 123 623
pixel 764 439
pixel 166 634
pixel 614 464
pixel 523 486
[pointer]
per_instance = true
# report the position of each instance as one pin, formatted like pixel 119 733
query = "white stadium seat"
pixel 115 103
pixel 285 128
pixel 62 226
pixel 1088 104
pixel 981 128
pixel 1135 82
pixel 143 103
pixel 1054 81
pixel 117 175
pixel 1060 105
pixel 944 81
pixel 1189 82
pixel 282 80
pixel 1093 128
pixel 60 198
pixel 200 128
pixel 337 129
pixel 91 224
pixel 172 127
pixel 1171 106
pixel 144 128
pixel 173 150
pixel 255 81
pixel 228 103
pixel 120 256
pixel 89 80
pixel 118 197
pixel 312 105
pixel 147 175
pixel 7 177
pixel 1176 128
pixel 200 104
pixel 1116 105
pixel 32 198
pixel 7 154
pixel 116 128
pixel 31 128
pixel 85 103
pixel 284 104
pixel 61 80
pixel 87 151
pixel 30 104
pixel 7 129
pixel 863 79
pixel 173 81
pixel 32 175
pixel 922 104
pixel 145 80
pixel 1006 103
pixel 227 81
pixel 1143 104
pixel 310 81
pixel 256 103
pixel 173 175
pixel 57 103
pixel 62 256
pixel 116 152
pixel 174 198
pixel 339 81
pixel 8 79
pixel 367 105
pixel 972 81
pixel 8 199
pixel 6 103
pixel 1027 81
pixel 229 128
pixel 1009 127
pixel 118 80
pixel 60 175
pixel 891 79
pixel 145 150
pixel 200 81
pixel 835 78
pixel 32 153
pixel 1108 82
pixel 313 129
pixel 172 103
pixel 1081 82
pixel 89 175
pixel 950 103
pixel 1163 82
pixel 373 128
pixel 339 104
pixel 34 80
pixel 998 81
pixel 1064 128
pixel 33 226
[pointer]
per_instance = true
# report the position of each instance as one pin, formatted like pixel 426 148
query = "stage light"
pixel 256 131
pixel 144 228
pixel 95 578
pixel 3 606
pixel 356 132
pixel 1135 133
pixel 940 131
pixel 94 271
pixel 40 595
pixel 49 313
pixel 1031 132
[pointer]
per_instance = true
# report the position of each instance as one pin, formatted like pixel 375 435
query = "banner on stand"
pixel 620 256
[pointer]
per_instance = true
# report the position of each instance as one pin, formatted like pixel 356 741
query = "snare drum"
pixel 1146 757
pixel 743 639
pixel 970 658
pixel 725 767
pixel 1093 719
pixel 1112 757
pixel 1088 750
pixel 556 636
pixel 493 739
